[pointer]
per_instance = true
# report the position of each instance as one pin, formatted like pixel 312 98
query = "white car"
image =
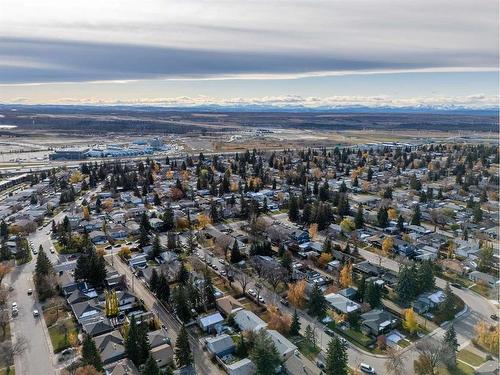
pixel 14 305
pixel 52 250
pixel 36 313
pixel 367 369
pixel 252 292
pixel 261 300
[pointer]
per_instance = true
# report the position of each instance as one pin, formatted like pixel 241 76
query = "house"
pixel 138 261
pixel 126 300
pixel 123 367
pixel 156 223
pixel 341 304
pixel 300 366
pixel 87 310
pixel 98 327
pixel 488 368
pixel 248 321
pixel 161 350
pixel 228 305
pixel 377 321
pixel 481 277
pixel 110 347
pixel 350 293
pixel 220 345
pixel 284 347
pixel 118 232
pixel 428 301
pixel 242 367
pixel 210 322
pixel 97 237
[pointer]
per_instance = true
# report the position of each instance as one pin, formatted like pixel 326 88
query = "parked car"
pixel 458 286
pixel 261 300
pixel 367 369
pixel 52 250
pixel 30 292
pixel 284 302
pixel 252 292
pixel 494 316
pixel 36 313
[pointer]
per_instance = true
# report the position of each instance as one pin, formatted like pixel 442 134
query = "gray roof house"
pixel 248 321
pixel 377 321
pixel 283 345
pixel 220 345
pixel 341 304
pixel 110 346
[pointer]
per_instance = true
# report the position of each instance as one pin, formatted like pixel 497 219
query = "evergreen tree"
pixel 372 295
pixel 295 325
pixel 362 288
pixel 4 229
pixel 359 221
pixel 181 304
pixel 43 265
pixel 417 215
pixel 336 357
pixel 425 277
pixel 317 303
pixel 168 219
pixel 451 344
pixel 154 281
pixel 406 287
pixel 401 223
pixel 477 213
pixel 183 275
pixel 383 217
pixel 208 290
pixel 183 354
pixel 446 309
pixel 143 343
pixel 132 342
pixel 264 354
pixel 151 368
pixel 90 355
pixel 163 288
pixel 293 209
pixel 235 253
pixel 156 251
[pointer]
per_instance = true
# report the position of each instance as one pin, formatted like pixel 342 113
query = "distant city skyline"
pixel 313 54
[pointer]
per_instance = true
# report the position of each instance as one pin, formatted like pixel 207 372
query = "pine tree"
pixel 131 343
pixel 235 253
pixel 406 288
pixel 153 281
pixel 383 217
pixel 151 368
pixel 183 354
pixel 451 343
pixel 143 343
pixel 156 251
pixel 208 290
pixel 372 295
pixel 90 355
pixel 163 288
pixel 417 215
pixel 359 221
pixel 446 309
pixel 293 209
pixel 183 275
pixel 425 277
pixel 264 354
pixel 336 357
pixel 43 264
pixel 317 303
pixel 401 223
pixel 295 325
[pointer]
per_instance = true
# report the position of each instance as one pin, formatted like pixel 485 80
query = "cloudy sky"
pixel 275 52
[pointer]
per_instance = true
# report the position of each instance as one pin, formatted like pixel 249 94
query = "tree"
pixel 151 368
pixel 336 357
pixel 156 250
pixel 317 303
pixel 324 259
pixel 9 350
pixel 447 307
pixel 382 217
pixel 293 209
pixel 295 325
pixel 279 321
pixel 90 354
pixel 310 336
pixel 111 300
pixel 425 277
pixel 485 258
pixel 236 256
pixel 451 344
pixel 243 279
pixel 208 291
pixel 131 343
pixel 87 370
pixel 163 288
pixel 5 268
pixel 410 322
pixel 183 354
pixel 264 354
pixel 296 293
pixel 430 355
pixel 395 362
pixel 154 280
pixel 359 220
pixel 477 213
pixel 406 287
pixel 401 223
pixel 417 215
pixel 183 275
pixel 347 225
pixel 372 295
pixel 387 245
pixel 345 277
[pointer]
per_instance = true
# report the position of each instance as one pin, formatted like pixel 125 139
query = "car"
pixel 458 286
pixel 252 292
pixel 129 243
pixel 15 312
pixel 494 316
pixel 284 302
pixel 261 300
pixel 67 352
pixel 52 250
pixel 109 247
pixel 30 292
pixel 329 332
pixel 118 245
pixel 367 369
pixel 72 256
pixel 215 267
pixel 35 251
pixel 14 305
pixel 223 273
pixel 320 365
pixel 36 313
pixel 222 261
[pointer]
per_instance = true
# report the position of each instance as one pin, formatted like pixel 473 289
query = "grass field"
pixel 61 334
pixel 11 371
pixel 461 369
pixel 470 357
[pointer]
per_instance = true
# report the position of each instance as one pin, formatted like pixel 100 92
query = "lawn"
pixel 470 357
pixel 11 371
pixel 461 369
pixel 306 348
pixel 356 336
pixel 482 290
pixel 62 333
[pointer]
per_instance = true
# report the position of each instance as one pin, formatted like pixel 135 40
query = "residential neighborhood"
pixel 379 258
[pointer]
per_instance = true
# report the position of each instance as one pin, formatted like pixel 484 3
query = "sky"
pixel 328 54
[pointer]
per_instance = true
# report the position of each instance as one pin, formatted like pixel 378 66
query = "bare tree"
pixel 8 350
pixel 243 279
pixel 430 354
pixel 275 276
pixel 395 363
pixel 4 321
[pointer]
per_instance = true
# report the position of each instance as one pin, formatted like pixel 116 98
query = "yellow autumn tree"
pixel 345 278
pixel 392 213
pixel 278 321
pixel 297 293
pixel 324 259
pixel 203 220
pixel 387 245
pixel 76 177
pixel 86 213
pixel 410 322
pixel 313 230
pixel 488 336
pixel 111 300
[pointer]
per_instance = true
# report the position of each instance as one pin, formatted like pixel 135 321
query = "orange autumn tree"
pixel 297 293
pixel 278 321
pixel 345 278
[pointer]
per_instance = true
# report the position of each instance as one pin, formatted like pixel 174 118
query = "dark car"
pixel 458 286
pixel 284 302
pixel 494 316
